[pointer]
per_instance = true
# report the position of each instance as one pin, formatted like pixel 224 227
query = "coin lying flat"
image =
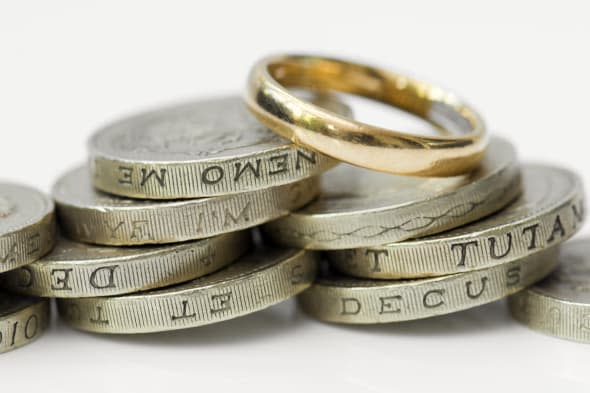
pixel 256 281
pixel 27 225
pixel 340 299
pixel 91 216
pixel 22 319
pixel 81 270
pixel 549 211
pixel 560 304
pixel 203 148
pixel 361 208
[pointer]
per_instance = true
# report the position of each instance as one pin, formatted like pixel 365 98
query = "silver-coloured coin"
pixel 91 216
pixel 204 148
pixel 560 304
pixel 22 320
pixel 27 225
pixel 80 270
pixel 340 299
pixel 361 208
pixel 549 212
pixel 256 281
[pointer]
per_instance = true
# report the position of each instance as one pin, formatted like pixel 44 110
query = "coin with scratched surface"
pixel 256 281
pixel 80 270
pixel 22 320
pixel 560 304
pixel 335 298
pixel 549 212
pixel 204 148
pixel 91 216
pixel 27 225
pixel 361 208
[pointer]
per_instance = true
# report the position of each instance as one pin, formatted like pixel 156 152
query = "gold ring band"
pixel 357 143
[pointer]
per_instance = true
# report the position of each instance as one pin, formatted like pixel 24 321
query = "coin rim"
pixel 435 269
pixel 102 160
pixel 43 287
pixel 544 260
pixel 44 224
pixel 185 290
pixel 509 191
pixel 77 212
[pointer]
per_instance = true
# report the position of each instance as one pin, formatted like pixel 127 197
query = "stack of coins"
pixel 210 210
pixel 458 269
pixel 402 248
pixel 154 231
pixel 27 233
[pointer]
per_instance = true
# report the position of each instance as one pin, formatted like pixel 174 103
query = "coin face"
pixel 92 216
pixel 21 206
pixel 27 225
pixel 559 305
pixel 75 269
pixel 550 211
pixel 203 148
pixel 341 299
pixel 258 280
pixel 22 319
pixel 571 281
pixel 360 208
pixel 218 128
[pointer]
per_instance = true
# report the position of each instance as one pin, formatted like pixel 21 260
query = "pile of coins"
pixel 210 210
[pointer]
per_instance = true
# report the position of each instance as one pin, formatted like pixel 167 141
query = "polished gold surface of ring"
pixel 357 143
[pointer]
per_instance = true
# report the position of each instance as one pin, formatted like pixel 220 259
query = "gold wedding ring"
pixel 357 143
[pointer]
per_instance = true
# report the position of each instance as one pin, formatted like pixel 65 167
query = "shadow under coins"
pixel 286 318
pixel 489 317
pixel 271 322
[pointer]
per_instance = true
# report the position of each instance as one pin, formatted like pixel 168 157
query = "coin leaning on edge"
pixel 199 149
pixel 550 211
pixel 91 216
pixel 560 304
pixel 262 278
pixel 22 320
pixel 361 208
pixel 27 225
pixel 80 270
pixel 339 299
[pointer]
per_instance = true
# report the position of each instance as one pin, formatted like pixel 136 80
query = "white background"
pixel 68 67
